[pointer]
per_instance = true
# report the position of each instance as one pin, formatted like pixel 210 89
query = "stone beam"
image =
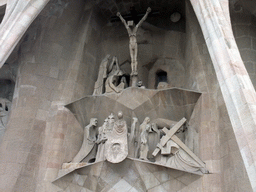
pixel 236 86
pixel 18 17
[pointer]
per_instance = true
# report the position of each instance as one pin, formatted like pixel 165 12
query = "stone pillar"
pixel 236 86
pixel 18 17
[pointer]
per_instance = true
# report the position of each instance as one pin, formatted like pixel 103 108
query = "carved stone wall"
pixel 58 64
pixel 54 69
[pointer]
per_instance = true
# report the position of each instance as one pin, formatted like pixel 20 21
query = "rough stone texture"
pixel 236 86
pixel 126 176
pixel 58 64
pixel 216 138
pixel 41 133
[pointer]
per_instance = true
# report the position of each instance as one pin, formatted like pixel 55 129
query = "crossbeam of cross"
pixel 170 134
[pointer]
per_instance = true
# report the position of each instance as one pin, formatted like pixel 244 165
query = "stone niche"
pixel 137 120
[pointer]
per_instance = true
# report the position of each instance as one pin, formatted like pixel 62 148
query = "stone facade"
pixel 196 68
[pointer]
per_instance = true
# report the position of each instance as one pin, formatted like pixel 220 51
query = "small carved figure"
pixel 120 125
pixel 4 112
pixel 113 83
pixel 110 124
pixel 140 84
pixel 106 70
pixel 102 138
pixel 103 73
pixel 143 140
pixel 123 84
pixel 175 154
pixel 133 142
pixel 153 139
pixel 132 31
pixel 113 67
pixel 88 141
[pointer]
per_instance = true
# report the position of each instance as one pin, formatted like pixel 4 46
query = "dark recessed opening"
pixel 161 76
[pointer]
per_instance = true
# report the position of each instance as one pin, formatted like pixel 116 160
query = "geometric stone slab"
pixel 130 175
pixel 172 104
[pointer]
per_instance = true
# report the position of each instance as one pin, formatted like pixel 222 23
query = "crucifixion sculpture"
pixel 132 31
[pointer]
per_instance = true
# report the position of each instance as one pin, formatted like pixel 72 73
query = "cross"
pixel 134 16
pixel 170 135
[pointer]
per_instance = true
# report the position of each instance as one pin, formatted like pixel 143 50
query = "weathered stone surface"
pixel 58 60
pixel 236 86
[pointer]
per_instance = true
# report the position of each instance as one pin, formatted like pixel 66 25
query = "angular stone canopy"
pixel 170 104
pixel 129 175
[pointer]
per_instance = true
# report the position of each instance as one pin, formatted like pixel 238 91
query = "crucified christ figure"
pixel 132 30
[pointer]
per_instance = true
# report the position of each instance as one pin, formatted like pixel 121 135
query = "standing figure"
pixel 5 106
pixel 103 74
pixel 132 31
pixel 110 124
pixel 154 138
pixel 102 137
pixel 133 143
pixel 142 148
pixel 88 142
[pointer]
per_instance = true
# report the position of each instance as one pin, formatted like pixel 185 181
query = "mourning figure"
pixel 88 141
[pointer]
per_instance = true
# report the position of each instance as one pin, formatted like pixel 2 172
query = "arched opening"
pixel 161 76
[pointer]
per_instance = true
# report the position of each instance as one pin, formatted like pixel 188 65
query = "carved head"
pixel 94 121
pixel 108 56
pixel 139 84
pixel 147 120
pixel 120 115
pixel 111 116
pixel 130 23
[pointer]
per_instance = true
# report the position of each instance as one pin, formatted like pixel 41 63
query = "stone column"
pixel 236 86
pixel 18 17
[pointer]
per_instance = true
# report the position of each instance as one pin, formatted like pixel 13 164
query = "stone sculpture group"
pixel 148 142
pixel 132 32
pixel 113 142
pixel 110 77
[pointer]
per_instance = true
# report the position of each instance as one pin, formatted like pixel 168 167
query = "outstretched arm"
pixel 144 18
pixel 122 19
pixel 114 60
